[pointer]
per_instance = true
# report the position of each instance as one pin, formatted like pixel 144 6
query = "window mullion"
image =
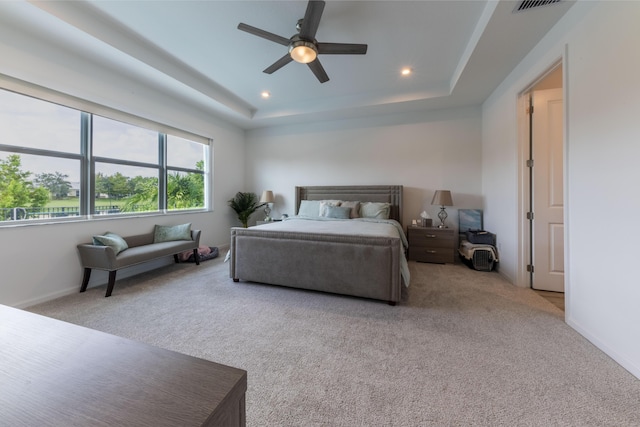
pixel 87 181
pixel 162 178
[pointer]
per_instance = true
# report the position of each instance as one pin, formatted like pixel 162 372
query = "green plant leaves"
pixel 245 204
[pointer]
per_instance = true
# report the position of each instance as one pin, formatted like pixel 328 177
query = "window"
pixel 185 179
pixel 125 189
pixel 58 162
pixel 32 123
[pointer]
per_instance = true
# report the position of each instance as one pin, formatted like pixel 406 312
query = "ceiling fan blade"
pixel 278 64
pixel 264 34
pixel 311 19
pixel 319 71
pixel 342 48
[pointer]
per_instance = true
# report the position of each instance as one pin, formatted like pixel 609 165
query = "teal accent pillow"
pixel 309 208
pixel 117 243
pixel 375 210
pixel 169 233
pixel 340 212
pixel 326 203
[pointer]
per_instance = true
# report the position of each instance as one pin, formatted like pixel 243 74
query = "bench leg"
pixel 112 281
pixel 196 256
pixel 175 258
pixel 85 279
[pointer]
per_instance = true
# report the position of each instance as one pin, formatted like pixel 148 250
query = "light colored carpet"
pixel 463 348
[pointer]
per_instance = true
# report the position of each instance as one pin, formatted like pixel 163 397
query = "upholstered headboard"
pixel 362 193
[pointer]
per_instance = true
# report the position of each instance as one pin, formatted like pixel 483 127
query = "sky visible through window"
pixel 33 123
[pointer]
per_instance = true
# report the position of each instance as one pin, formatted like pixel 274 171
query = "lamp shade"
pixel 442 198
pixel 267 197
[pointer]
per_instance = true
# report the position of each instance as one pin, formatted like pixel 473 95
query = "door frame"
pixel 523 277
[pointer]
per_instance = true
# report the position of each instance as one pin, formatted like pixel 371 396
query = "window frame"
pixel 87 207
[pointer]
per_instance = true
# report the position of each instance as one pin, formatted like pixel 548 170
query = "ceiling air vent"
pixel 531 4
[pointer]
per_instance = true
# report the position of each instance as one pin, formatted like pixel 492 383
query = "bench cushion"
pixel 155 250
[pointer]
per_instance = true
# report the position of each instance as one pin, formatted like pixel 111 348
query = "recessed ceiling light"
pixel 265 94
pixel 406 71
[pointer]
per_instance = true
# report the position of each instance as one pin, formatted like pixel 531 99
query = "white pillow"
pixel 375 210
pixel 324 204
pixel 309 208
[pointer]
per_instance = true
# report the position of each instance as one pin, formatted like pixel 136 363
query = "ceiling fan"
pixel 303 47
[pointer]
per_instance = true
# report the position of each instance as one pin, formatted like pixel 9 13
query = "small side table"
pixel 431 244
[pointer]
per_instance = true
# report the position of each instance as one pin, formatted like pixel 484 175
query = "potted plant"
pixel 245 204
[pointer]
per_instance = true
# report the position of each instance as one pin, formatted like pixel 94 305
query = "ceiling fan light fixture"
pixel 303 47
pixel 303 52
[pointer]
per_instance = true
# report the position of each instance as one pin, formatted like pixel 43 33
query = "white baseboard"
pixel 619 358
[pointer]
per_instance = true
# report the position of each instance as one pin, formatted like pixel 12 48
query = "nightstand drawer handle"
pixel 432 252
pixel 430 235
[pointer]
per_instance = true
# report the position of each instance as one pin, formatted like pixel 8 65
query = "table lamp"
pixel 267 197
pixel 442 198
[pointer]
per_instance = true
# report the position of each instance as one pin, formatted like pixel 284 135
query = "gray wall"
pixel 598 44
pixel 424 152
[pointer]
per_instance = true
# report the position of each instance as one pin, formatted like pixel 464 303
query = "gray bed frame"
pixel 361 266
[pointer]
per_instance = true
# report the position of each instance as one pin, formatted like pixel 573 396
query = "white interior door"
pixel 547 190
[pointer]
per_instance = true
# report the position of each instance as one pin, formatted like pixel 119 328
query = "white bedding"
pixel 353 227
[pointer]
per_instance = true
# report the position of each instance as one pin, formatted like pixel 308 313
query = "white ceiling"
pixel 459 51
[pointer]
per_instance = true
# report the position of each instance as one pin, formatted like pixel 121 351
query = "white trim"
pixel 522 276
pixel 567 204
pixel 623 360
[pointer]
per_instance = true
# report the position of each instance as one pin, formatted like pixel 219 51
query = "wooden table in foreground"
pixel 58 374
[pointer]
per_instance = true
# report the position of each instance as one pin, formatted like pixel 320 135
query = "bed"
pixel 362 257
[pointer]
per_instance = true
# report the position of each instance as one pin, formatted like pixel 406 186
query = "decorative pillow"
pixel 168 233
pixel 324 204
pixel 341 212
pixel 117 243
pixel 309 208
pixel 375 210
pixel 355 208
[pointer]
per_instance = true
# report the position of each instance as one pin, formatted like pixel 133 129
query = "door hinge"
pixel 530 268
pixel 530 109
pixel 530 163
pixel 530 216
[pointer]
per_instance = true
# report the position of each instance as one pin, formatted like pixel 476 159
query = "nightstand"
pixel 431 244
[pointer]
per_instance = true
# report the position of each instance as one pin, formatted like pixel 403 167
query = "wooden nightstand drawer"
pixel 428 244
pixel 431 237
pixel 437 255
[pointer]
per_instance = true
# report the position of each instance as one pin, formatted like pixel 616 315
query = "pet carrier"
pixel 478 256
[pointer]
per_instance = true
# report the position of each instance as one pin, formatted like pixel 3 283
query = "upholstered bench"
pixel 111 252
